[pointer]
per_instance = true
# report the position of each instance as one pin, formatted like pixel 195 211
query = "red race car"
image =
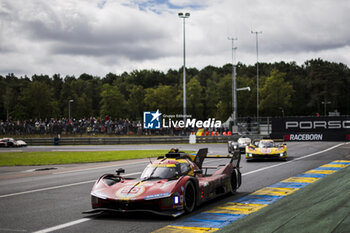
pixel 172 185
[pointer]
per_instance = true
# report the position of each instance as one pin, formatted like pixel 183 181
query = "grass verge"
pixel 322 206
pixel 46 158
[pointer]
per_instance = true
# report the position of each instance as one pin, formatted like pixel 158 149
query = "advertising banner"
pixel 335 128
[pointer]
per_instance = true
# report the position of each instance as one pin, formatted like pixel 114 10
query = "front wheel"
pixel 189 197
pixel 233 182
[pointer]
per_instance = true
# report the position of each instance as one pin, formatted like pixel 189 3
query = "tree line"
pixel 285 88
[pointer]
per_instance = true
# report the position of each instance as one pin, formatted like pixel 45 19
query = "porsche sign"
pixel 335 128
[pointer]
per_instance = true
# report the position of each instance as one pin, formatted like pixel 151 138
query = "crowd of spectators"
pixel 85 126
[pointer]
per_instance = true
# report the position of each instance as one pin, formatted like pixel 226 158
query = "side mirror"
pixel 198 171
pixel 119 171
pixel 232 147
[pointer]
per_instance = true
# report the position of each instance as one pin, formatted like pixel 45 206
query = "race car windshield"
pixel 266 144
pixel 151 172
pixel 244 140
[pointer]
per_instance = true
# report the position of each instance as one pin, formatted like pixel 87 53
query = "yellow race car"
pixel 266 149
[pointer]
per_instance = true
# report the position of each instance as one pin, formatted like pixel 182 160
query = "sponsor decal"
pixel 194 123
pixel 161 165
pixel 152 120
pixel 130 191
pixel 159 195
pixel 265 150
pixel 317 124
pixel 311 128
pixel 303 137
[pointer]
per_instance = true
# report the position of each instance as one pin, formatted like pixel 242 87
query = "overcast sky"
pixel 71 37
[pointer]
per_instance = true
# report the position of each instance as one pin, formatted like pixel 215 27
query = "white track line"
pixel 12 230
pixel 12 151
pixel 68 224
pixel 74 150
pixel 58 227
pixel 94 168
pixel 303 157
pixel 57 187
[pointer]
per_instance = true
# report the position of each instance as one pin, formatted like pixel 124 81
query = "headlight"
pixel 250 154
pixel 157 196
pixel 176 200
pixel 281 154
pixel 171 200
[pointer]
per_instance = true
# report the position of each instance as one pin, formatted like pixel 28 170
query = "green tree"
pixel 57 83
pixel 224 93
pixel 10 100
pixel 81 107
pixel 211 98
pixel 3 86
pixel 136 102
pixel 195 105
pixel 276 93
pixel 327 82
pixel 112 102
pixel 146 78
pixel 36 100
pixel 162 98
pixel 110 78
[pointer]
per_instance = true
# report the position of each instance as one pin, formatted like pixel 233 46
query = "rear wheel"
pixel 189 197
pixel 233 182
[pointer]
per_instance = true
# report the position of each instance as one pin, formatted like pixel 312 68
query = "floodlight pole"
pixel 325 106
pixel 69 101
pixel 257 74
pixel 234 85
pixel 184 17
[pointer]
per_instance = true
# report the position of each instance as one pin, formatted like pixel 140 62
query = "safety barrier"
pixel 126 140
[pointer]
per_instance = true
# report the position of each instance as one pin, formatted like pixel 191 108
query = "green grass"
pixel 46 158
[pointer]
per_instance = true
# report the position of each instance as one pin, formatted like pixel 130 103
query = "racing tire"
pixel 189 197
pixel 233 182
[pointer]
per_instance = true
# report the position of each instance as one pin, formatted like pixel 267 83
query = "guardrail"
pixel 127 140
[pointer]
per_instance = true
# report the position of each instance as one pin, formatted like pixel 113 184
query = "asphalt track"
pixel 52 200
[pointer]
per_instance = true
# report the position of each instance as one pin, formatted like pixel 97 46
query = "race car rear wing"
pixel 234 154
pixel 234 150
pixel 203 153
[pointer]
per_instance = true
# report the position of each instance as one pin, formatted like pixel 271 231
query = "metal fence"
pixel 247 126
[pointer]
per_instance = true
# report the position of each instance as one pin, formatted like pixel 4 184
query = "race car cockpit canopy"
pixel 166 168
pixel 158 171
pixel 266 144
